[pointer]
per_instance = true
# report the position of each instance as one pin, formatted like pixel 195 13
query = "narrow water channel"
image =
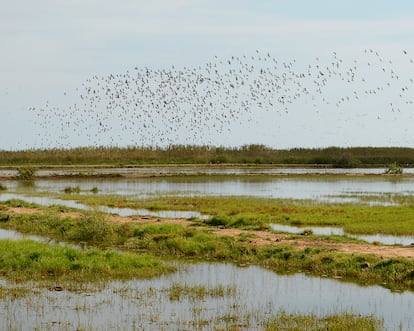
pixel 205 170
pixel 327 230
pixel 44 201
pixel 322 188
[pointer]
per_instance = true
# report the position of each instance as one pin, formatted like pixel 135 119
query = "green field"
pixel 198 242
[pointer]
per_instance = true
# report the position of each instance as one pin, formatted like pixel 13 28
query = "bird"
pixel 163 106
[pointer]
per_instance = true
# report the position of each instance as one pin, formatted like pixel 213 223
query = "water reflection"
pixel 317 188
pixel 318 230
pixel 145 304
pixel 204 170
pixel 13 235
pixel 380 238
pixel 44 201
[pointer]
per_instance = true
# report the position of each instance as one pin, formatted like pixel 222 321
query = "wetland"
pixel 209 250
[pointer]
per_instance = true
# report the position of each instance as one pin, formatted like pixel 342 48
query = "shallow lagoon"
pixel 145 304
pixel 286 187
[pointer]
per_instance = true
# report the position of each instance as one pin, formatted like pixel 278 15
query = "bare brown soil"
pixel 259 238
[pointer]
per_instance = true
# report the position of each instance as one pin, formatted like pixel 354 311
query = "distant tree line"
pixel 187 154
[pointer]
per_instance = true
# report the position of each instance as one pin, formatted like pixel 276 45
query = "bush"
pixel 91 228
pixel 26 172
pixel 69 190
pixel 217 221
pixel 393 169
pixel 94 190
pixel 2 187
pixel 4 217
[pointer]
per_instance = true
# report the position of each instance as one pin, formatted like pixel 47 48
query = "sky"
pixel 49 48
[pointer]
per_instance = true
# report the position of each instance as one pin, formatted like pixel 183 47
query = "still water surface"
pixel 44 201
pixel 146 305
pixel 327 230
pixel 204 170
pixel 318 188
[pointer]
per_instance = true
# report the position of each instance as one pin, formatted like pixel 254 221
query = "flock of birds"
pixel 192 105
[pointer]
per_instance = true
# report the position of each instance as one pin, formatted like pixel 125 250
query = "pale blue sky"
pixel 49 46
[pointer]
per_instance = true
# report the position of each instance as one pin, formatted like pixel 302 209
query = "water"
pixel 380 238
pixel 14 235
pixel 10 234
pixel 317 188
pixel 44 201
pixel 318 230
pixel 206 170
pixel 145 304
pixel 384 239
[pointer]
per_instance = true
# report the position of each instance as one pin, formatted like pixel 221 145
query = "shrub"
pixel 217 221
pixel 394 169
pixel 94 190
pixel 69 190
pixel 26 172
pixel 4 217
pixel 92 228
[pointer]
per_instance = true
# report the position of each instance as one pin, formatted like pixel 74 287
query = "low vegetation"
pixel 178 291
pixel 257 213
pixel 24 260
pixel 176 154
pixel 26 172
pixel 176 240
pixel 334 322
pixel 70 190
pixel 394 169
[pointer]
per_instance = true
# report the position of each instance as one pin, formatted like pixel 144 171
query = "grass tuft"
pixel 26 172
pixel 333 322
pixel 70 190
pixel 25 260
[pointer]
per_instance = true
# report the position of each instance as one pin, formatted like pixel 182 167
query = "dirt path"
pixel 258 238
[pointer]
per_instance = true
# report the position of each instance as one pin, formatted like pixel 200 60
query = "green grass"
pixel 91 228
pixel 198 292
pixel 24 260
pixel 173 240
pixel 168 240
pixel 334 322
pixel 257 213
pixel 380 198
